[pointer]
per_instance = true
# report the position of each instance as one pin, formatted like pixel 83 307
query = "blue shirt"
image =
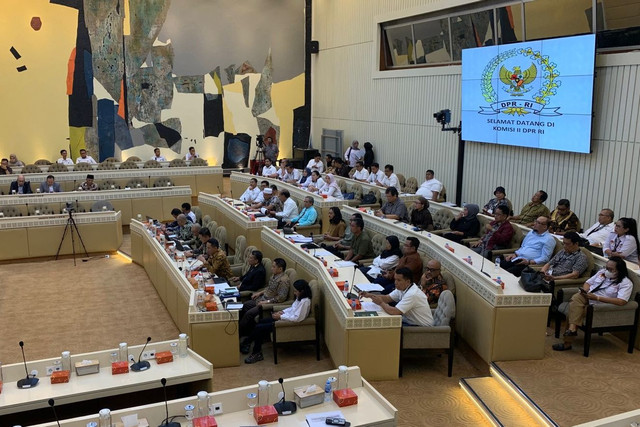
pixel 308 216
pixel 538 247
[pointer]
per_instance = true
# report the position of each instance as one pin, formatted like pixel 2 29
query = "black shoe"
pixel 245 347
pixel 570 333
pixel 255 357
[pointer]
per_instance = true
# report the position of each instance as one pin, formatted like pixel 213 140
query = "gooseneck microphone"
pixel 483 248
pixel 141 365
pixel 284 407
pixel 51 403
pixel 165 422
pixel 349 294
pixel 29 381
pixel 219 190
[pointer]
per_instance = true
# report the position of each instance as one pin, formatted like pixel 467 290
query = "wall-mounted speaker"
pixel 314 46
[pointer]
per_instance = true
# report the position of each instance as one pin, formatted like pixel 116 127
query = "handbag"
pixel 369 199
pixel 532 281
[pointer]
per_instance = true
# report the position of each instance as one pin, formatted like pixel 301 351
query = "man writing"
pixel 394 208
pixel 204 235
pixel 217 262
pixel 536 248
pixel 359 173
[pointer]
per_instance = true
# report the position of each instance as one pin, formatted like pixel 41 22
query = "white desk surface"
pixel 87 387
pixel 236 211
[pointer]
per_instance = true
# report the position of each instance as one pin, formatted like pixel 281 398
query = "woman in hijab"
pixel 465 224
pixel 387 260
pixel 305 179
pixel 331 188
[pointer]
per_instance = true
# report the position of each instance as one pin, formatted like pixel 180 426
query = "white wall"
pixel 396 115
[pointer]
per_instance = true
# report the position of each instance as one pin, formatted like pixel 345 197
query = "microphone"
pixel 74 186
pixel 231 192
pixel 149 181
pixel 141 365
pixel 29 381
pixel 165 422
pixel 349 294
pixel 285 407
pixel 28 214
pixel 219 190
pixel 483 248
pixel 51 403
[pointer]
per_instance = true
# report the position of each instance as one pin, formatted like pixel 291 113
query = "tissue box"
pixel 164 357
pixel 208 421
pixel 119 368
pixel 87 367
pixel 340 285
pixel 345 397
pixel 59 377
pixel 265 414
pixel 211 306
pixel 210 289
pixel 304 399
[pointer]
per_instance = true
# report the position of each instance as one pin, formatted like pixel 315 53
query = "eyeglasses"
pixel 431 269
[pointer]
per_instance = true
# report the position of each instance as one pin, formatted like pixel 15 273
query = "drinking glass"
pixel 252 401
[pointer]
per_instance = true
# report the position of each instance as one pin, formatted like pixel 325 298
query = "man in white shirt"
pixel 85 158
pixel 283 169
pixel 251 193
pixel 156 155
pixel 389 179
pixel 191 154
pixel 353 154
pixel 268 170
pixel 316 164
pixel 64 160
pixel 598 233
pixel 186 210
pixel 375 175
pixel 292 176
pixel 360 173
pixel 412 303
pixel 430 189
pixel 289 208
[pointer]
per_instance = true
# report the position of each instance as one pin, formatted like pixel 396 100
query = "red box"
pixel 207 421
pixel 210 289
pixel 211 306
pixel 59 377
pixel 164 357
pixel 345 397
pixel 340 285
pixel 265 414
pixel 119 368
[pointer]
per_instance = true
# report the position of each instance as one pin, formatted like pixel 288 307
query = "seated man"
pixel 537 248
pixel 411 302
pixel 173 224
pixel 361 245
pixel 255 277
pixel 420 215
pixel 432 283
pixel 183 231
pixel 14 162
pixel 289 209
pixel 389 179
pixel 261 200
pixel 344 243
pixel 292 176
pixel 359 173
pixel 340 168
pixel 186 209
pixel 431 188
pixel 276 291
pixel 375 175
pixel 268 170
pixel 273 203
pixel 564 219
pixel 85 158
pixel 569 263
pixel 251 193
pixel 216 262
pixel 195 235
pixel 49 186
pixel 497 234
pixel 89 185
pixel 64 160
pixel 394 208
pixel 316 164
pixel 191 154
pixel 599 232
pixel 157 157
pixel 410 259
pixel 532 210
pixel 20 186
pixel 204 235
pixel 282 171
pixel 5 169
pixel 308 215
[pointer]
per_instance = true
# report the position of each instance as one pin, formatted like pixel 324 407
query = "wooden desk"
pixel 40 236
pixel 240 182
pixel 213 335
pixel 236 222
pixel 182 370
pixel 154 202
pixel 206 178
pixel 499 324
pixel 372 408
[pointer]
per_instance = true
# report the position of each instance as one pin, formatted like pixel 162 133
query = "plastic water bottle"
pixel 497 265
pixel 327 391
pixel 345 290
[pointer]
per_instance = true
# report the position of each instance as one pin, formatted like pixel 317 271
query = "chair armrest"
pixel 504 251
pixel 288 323
pixel 236 269
pixel 408 330
pixel 564 295
pixel 468 241
pixel 280 307
pixel 567 283
pixel 270 307
pixel 441 231
pixel 603 308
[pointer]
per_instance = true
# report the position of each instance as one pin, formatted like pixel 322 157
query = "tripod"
pixel 71 225
pixel 258 161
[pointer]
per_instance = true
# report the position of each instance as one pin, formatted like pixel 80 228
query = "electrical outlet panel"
pixel 217 408
pixel 149 354
pixel 53 368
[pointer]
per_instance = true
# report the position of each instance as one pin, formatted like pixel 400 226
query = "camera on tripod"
pixel 260 141
pixel 70 208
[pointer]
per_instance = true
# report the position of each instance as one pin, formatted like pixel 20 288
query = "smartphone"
pixel 582 291
pixel 334 421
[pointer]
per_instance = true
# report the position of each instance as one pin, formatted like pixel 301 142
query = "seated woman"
pixel 610 285
pixel 316 183
pixel 331 188
pixel 500 199
pixel 420 215
pixel 465 224
pixel 305 179
pixel 329 163
pixel 387 260
pixel 296 313
pixel 337 226
pixel 623 241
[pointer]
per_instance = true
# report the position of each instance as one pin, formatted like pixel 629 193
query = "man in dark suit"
pixel 20 186
pixel 50 185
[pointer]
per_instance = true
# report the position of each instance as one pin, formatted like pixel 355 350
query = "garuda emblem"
pixel 517 81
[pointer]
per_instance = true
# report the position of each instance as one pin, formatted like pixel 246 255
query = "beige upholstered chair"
pixel 307 330
pixel 516 241
pixel 42 162
pixel 212 226
pixel 378 242
pixel 221 236
pixel 603 317
pixel 402 181
pixel 31 169
pixel 441 220
pixel 411 186
pixel 198 212
pixel 238 269
pixel 163 181
pixel 198 162
pixel 133 159
pixel 82 167
pixel 107 166
pixel 357 189
pixel 238 257
pixel 136 183
pixel 568 283
pixel 177 163
pixel 442 197
pixel 102 205
pixel 151 164
pixel 440 336
pixel 41 209
pixel 10 211
pixel 128 164
pixel 107 184
pixel 111 160
pixel 58 167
